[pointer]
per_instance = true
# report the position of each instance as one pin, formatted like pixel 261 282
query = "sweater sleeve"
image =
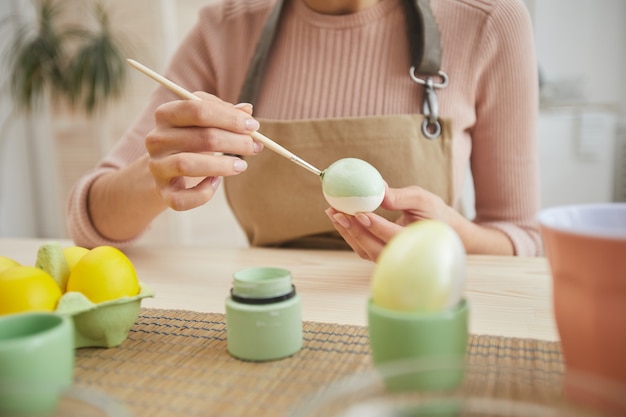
pixel 504 159
pixel 188 69
pixel 222 29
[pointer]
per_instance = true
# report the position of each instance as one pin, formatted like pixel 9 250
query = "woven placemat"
pixel 175 363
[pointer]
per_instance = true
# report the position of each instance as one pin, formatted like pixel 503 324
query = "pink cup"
pixel 586 249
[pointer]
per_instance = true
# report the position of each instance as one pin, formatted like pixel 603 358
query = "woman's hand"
pixel 368 233
pixel 193 146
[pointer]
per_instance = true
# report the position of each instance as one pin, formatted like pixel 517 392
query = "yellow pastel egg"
pixel 422 269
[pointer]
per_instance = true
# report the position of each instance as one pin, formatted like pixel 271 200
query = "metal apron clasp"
pixel 431 127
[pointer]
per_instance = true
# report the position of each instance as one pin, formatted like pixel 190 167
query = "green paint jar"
pixel 263 315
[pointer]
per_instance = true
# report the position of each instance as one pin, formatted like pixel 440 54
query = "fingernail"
pixel 252 124
pixel 215 182
pixel 243 106
pixel 258 146
pixel 240 165
pixel 363 219
pixel 342 220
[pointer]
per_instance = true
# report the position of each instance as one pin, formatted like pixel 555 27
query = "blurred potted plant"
pixel 47 58
pixel 98 68
pixel 36 58
pixel 55 53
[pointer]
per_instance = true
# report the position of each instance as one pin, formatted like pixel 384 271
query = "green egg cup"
pixel 433 344
pixel 103 324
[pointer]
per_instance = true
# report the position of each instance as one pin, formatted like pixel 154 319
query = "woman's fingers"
pixel 368 233
pixel 202 126
pixel 378 226
pixel 366 244
pixel 165 141
pixel 407 198
pixel 247 107
pixel 179 196
pixel 204 113
pixel 197 165
pixel 192 147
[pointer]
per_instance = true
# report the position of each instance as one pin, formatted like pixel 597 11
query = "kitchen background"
pixel 581 51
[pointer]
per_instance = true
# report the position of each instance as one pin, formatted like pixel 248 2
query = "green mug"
pixel 36 362
pixel 433 344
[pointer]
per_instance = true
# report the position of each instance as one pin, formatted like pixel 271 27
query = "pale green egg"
pixel 351 185
pixel 422 269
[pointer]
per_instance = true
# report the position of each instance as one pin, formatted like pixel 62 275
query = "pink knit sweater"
pixel 357 64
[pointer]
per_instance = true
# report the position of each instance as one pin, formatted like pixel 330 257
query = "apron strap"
pixel 425 49
pixel 251 85
pixel 424 37
pixel 423 34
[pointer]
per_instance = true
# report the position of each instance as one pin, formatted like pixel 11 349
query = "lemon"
pixel 6 263
pixel 73 255
pixel 26 288
pixel 104 273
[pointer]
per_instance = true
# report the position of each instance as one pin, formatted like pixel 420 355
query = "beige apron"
pixel 278 203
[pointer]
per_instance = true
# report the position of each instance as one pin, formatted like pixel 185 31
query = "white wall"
pixel 29 197
pixel 582 57
pixel 581 48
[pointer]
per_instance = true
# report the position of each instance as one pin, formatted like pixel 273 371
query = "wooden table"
pixel 508 296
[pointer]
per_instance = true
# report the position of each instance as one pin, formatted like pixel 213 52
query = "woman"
pixel 330 80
